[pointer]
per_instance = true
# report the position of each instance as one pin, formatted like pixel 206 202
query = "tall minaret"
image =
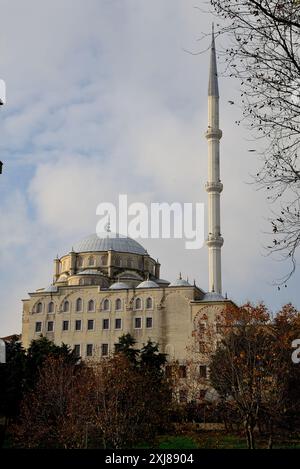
pixel 214 186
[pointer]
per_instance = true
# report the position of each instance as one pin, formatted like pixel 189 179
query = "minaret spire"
pixel 214 186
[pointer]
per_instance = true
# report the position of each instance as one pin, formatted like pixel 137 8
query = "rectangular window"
pixel 149 323
pixel 78 325
pixel 138 323
pixel 65 325
pixel 203 371
pixel 118 324
pixel 50 326
pixel 182 395
pixel 182 371
pixel 89 350
pixel 104 350
pixel 90 325
pixel 38 327
pixel 105 324
pixel 77 350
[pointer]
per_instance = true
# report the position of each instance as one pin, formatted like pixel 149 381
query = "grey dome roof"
pixel 119 286
pixel 180 282
pixel 212 296
pixel 51 288
pixel 89 272
pixel 148 284
pixel 109 241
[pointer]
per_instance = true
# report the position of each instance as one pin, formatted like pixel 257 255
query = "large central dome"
pixel 109 241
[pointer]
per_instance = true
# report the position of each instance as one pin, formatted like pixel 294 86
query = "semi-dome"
pixel 180 282
pixel 109 241
pixel 148 284
pixel 119 286
pixel 213 296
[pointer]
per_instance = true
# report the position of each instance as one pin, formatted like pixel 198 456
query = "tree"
pixel 252 368
pixel 264 54
pixel 126 347
pixel 56 412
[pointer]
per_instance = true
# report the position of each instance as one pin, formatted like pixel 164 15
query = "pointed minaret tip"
pixel 213 88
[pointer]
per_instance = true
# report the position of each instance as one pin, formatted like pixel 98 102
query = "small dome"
pixel 119 286
pixel 89 272
pixel 109 241
pixel 212 296
pixel 51 288
pixel 180 282
pixel 148 284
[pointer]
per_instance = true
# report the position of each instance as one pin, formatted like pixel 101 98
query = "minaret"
pixel 214 186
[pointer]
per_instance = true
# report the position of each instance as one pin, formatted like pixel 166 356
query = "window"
pixel 91 261
pixel 81 281
pixel 138 323
pixel 105 324
pixel 90 325
pixel 66 306
pixel 38 327
pixel 79 304
pixel 106 305
pixel 79 262
pixel 129 263
pixel 103 260
pixel 182 371
pixel 104 350
pixel 65 325
pixel 118 262
pixel 77 350
pixel 50 326
pixel 39 308
pixel 140 264
pixel 203 371
pixel 149 303
pixel 138 303
pixel 182 395
pixel 51 307
pixel 149 323
pixel 118 304
pixel 78 325
pixel 89 350
pixel 118 323
pixel 91 305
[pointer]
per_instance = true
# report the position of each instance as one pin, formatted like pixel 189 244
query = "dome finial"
pixel 180 277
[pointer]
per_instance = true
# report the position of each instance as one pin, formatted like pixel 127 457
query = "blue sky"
pixel 102 99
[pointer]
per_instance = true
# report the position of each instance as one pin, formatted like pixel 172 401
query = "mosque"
pixel 109 286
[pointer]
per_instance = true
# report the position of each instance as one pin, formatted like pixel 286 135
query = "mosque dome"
pixel 89 272
pixel 180 282
pixel 213 296
pixel 148 284
pixel 119 286
pixel 109 241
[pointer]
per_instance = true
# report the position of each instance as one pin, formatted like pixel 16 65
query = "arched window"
pixel 79 262
pixel 103 260
pixel 129 263
pixel 138 303
pixel 118 304
pixel 91 305
pixel 149 303
pixel 140 264
pixel 39 308
pixel 66 306
pixel 51 307
pixel 118 262
pixel 79 304
pixel 91 260
pixel 106 305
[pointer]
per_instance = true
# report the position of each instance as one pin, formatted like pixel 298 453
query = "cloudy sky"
pixel 102 99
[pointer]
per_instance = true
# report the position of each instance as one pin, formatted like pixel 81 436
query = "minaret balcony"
pixel 214 187
pixel 214 241
pixel 213 133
